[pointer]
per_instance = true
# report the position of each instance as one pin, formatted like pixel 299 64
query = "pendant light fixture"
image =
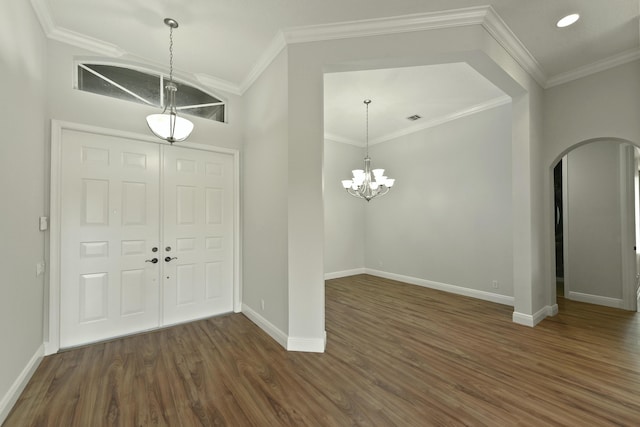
pixel 168 125
pixel 368 184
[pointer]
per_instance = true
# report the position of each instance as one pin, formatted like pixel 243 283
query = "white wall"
pixel 602 105
pixel 448 219
pixel 265 196
pixel 594 253
pixel 344 218
pixel 23 69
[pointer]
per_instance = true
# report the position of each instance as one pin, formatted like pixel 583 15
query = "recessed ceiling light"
pixel 568 20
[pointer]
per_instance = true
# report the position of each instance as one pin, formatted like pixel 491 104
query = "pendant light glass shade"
pixel 168 125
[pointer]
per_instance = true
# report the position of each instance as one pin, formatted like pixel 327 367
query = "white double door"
pixel 146 236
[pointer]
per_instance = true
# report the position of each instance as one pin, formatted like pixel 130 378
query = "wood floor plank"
pixel 397 355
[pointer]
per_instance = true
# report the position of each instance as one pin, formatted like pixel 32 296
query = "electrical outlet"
pixel 495 284
pixel 262 304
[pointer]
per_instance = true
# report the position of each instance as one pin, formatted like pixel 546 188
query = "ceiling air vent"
pixel 414 117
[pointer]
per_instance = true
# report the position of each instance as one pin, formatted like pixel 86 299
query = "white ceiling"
pixel 224 43
pixel 438 93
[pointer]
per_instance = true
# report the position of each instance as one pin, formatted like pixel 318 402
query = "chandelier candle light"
pixel 167 125
pixel 367 184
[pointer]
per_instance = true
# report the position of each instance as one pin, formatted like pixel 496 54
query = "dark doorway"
pixel 558 216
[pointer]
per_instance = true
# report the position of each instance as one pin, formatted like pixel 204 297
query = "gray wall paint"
pixel 265 185
pixel 602 105
pixel 449 217
pixel 594 265
pixel 308 62
pixel 22 189
pixel 344 215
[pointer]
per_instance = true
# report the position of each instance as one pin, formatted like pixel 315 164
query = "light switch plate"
pixel 44 223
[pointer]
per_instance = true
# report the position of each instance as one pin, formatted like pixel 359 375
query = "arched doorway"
pixel 595 255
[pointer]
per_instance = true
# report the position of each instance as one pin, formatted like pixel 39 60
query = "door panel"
pixel 110 221
pixel 198 227
pixel 120 199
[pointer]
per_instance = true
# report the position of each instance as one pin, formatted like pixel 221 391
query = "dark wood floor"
pixel 397 355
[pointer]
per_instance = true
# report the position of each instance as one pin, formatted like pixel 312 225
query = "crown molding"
pixel 390 25
pixel 278 43
pixel 474 109
pixel 596 67
pixel 342 140
pixel 494 24
pixel 482 15
pixel 485 16
pixel 216 83
pixel 63 35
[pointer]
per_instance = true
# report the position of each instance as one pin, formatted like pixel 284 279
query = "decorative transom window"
pixel 146 88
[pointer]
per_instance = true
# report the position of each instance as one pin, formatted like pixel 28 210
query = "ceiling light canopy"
pixel 366 183
pixel 568 20
pixel 167 125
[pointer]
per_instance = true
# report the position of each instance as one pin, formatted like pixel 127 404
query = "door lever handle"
pixel 153 261
pixel 168 259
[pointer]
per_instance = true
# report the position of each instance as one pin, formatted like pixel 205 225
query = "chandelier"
pixel 167 125
pixel 367 184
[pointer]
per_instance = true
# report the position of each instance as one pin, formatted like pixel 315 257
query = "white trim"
pixel 481 15
pixel 596 299
pixel 275 333
pixel 57 126
pixel 274 48
pixel 537 317
pixel 596 67
pixel 627 226
pixel 12 395
pixel 468 111
pixel 342 140
pixel 217 83
pixel 566 276
pixel 309 345
pixel 454 289
pixel 465 112
pixel 63 35
pixel 494 24
pixel 387 25
pixel 344 273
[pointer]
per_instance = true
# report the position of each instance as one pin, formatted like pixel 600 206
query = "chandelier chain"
pixel 170 54
pixel 367 122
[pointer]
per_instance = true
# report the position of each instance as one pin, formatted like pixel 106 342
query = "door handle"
pixel 168 259
pixel 153 261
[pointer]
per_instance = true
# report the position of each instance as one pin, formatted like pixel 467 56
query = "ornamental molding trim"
pixel 485 16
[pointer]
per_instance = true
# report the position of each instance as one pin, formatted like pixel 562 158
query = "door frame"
pixel 630 295
pixel 52 310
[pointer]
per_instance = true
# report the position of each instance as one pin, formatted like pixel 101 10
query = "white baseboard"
pixel 345 273
pixel 12 395
pixel 596 299
pixel 459 290
pixel 265 325
pixel 532 320
pixel 310 345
